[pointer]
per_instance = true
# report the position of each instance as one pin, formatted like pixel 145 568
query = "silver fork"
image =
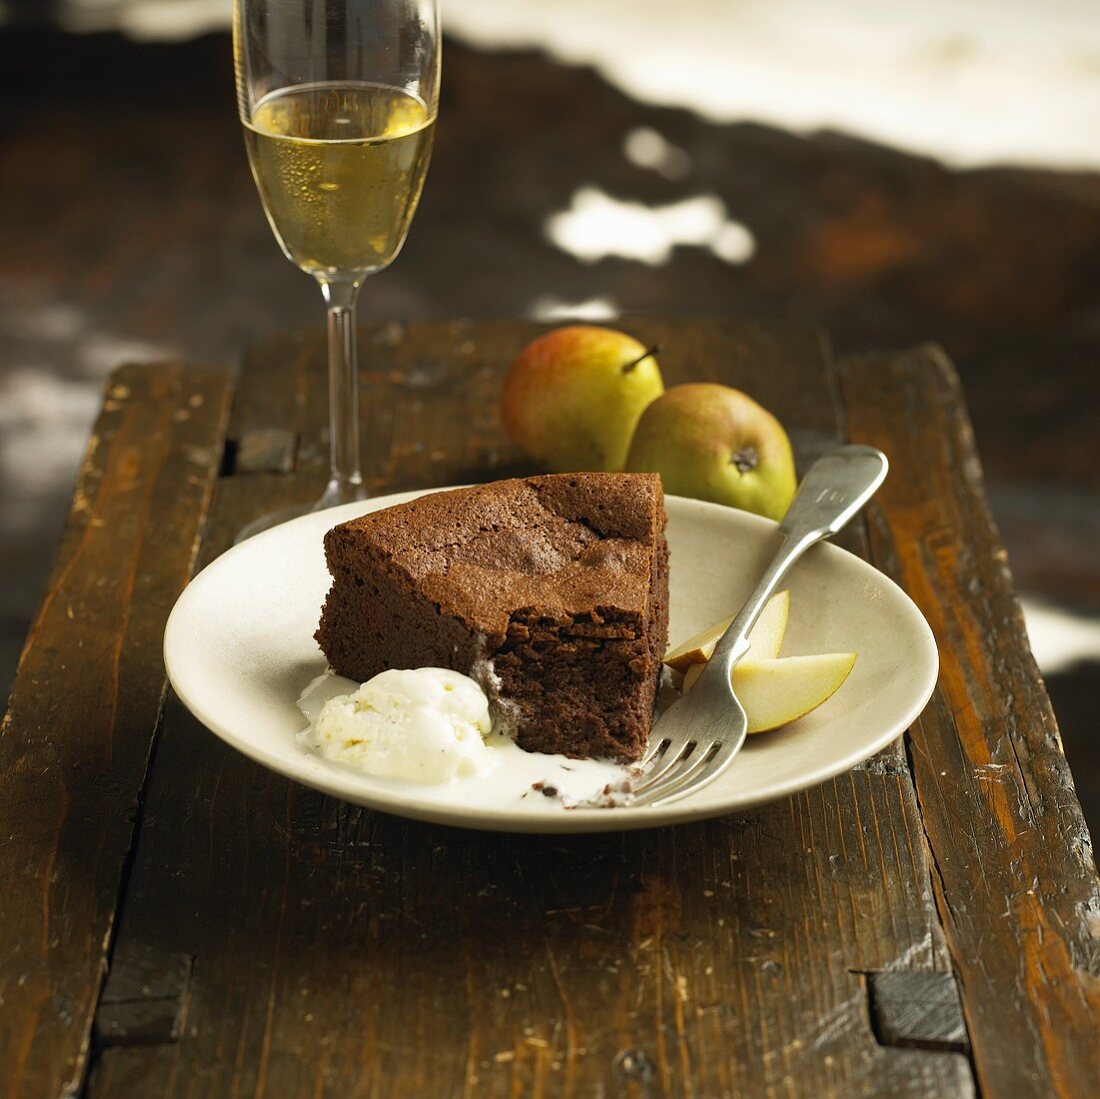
pixel 696 739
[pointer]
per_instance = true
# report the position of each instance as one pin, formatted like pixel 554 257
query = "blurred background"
pixel 896 172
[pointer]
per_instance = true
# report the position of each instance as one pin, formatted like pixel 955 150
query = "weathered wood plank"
pixel 265 450
pixel 918 1009
pixel 343 952
pixel 1013 864
pixel 144 997
pixel 75 741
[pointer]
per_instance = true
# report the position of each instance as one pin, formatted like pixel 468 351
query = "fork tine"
pixel 694 776
pixel 660 744
pixel 689 733
pixel 674 778
pixel 675 757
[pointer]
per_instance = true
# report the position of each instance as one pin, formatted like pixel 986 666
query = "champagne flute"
pixel 338 100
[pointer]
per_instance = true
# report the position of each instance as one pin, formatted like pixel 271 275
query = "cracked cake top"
pixel 562 545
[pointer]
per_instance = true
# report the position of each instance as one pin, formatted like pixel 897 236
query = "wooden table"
pixel 177 921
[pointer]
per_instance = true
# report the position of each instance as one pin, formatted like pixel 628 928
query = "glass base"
pixel 337 492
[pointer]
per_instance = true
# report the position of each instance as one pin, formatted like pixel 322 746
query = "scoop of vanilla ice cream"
pixel 422 724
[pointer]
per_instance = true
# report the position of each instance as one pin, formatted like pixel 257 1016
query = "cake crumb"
pixel 612 795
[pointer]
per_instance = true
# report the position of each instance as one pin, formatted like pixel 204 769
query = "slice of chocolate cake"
pixel 551 592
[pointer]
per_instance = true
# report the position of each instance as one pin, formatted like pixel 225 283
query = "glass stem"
pixel 346 481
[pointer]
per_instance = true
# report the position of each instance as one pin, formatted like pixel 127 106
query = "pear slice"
pixel 764 638
pixel 776 691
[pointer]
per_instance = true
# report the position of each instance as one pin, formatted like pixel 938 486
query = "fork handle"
pixel 833 490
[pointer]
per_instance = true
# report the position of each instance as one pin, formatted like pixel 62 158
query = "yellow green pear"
pixel 572 397
pixel 715 443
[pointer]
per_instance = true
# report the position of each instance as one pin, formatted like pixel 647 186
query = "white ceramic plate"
pixel 239 651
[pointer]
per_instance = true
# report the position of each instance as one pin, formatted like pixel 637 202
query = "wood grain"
pixel 76 739
pixel 341 952
pixel 1013 866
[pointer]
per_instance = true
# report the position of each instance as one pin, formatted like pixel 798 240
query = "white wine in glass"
pixel 338 101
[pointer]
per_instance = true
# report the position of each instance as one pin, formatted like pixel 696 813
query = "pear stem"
pixel 648 353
